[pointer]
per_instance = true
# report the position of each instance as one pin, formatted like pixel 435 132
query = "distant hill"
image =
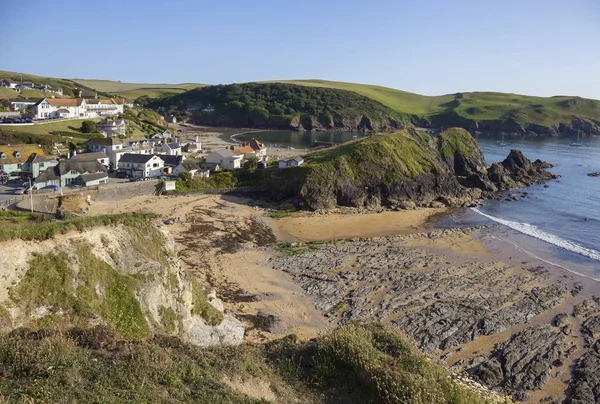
pixel 284 106
pixel 484 111
pixel 135 90
pixel 475 111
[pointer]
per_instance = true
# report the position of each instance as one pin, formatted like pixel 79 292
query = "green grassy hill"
pixel 483 110
pixel 69 87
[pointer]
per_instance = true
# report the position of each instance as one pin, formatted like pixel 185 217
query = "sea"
pixel 558 224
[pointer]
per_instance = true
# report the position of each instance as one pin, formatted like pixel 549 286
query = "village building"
pixel 191 167
pixel 8 83
pixel 88 94
pixel 115 147
pixel 23 161
pixel 100 157
pixel 170 162
pixel 141 166
pixel 50 108
pixel 73 172
pixel 171 149
pixel 171 118
pixel 110 128
pixel 259 148
pixel 225 159
pixel 246 152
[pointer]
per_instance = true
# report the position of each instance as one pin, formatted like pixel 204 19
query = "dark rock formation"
pixel 585 381
pixel 594 174
pixel 525 362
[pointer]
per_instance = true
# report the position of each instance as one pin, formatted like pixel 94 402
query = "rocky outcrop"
pixel 525 362
pixel 407 166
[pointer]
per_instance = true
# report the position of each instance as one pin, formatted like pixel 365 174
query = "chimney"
pixel 197 139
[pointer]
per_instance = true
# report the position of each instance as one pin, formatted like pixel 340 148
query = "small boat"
pixel 576 144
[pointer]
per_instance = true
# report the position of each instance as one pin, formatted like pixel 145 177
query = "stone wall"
pixel 113 192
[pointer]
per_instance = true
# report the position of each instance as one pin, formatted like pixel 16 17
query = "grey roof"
pixel 299 159
pixel 37 158
pixel 190 165
pixel 90 156
pixel 33 101
pixel 171 161
pixel 65 166
pixel 92 177
pixel 174 145
pixel 224 153
pixel 135 158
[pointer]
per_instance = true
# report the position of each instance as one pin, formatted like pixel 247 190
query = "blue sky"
pixel 540 47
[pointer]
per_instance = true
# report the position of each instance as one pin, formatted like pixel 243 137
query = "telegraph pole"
pixel 30 195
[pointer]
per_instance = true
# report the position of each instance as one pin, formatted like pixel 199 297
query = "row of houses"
pixel 28 85
pixel 231 159
pixel 115 147
pixel 53 108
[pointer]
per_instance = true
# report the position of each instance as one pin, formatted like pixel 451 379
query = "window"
pixel 42 165
pixel 155 165
pixel 73 171
pixel 19 165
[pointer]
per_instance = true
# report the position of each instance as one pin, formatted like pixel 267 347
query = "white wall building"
pixel 50 108
pixel 225 158
pixel 171 149
pixel 141 166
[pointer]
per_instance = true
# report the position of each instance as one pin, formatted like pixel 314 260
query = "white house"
pixel 259 148
pixel 170 149
pixel 141 165
pixel 60 108
pixel 8 83
pixel 192 167
pixel 21 104
pixel 225 158
pixel 99 107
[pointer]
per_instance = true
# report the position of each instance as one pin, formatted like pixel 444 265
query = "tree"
pixel 88 127
pixel 250 165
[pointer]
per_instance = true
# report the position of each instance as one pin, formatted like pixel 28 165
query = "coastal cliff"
pixel 405 169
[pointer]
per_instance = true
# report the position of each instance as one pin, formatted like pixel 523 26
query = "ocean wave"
pixel 550 238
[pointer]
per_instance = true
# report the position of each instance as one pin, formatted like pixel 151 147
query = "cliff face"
pixel 125 277
pixel 404 169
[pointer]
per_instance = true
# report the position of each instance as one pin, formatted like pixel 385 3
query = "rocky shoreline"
pixel 505 326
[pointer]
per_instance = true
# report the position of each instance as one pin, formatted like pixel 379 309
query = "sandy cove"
pixel 498 317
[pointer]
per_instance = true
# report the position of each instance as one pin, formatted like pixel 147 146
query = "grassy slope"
pixel 46 128
pixel 135 90
pixel 479 106
pixel 353 364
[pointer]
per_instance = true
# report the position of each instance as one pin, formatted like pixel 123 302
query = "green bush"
pixel 88 127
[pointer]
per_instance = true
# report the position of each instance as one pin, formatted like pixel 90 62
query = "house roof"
pixel 36 158
pixel 90 156
pixel 23 100
pixel 174 145
pixel 255 144
pixel 243 150
pixel 26 151
pixel 94 176
pixel 131 140
pixel 190 165
pixel 65 102
pixel 136 158
pixel 299 159
pixel 223 153
pixel 171 161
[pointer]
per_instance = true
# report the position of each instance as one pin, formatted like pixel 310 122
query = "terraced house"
pixel 23 161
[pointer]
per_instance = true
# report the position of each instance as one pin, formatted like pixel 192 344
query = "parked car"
pixel 121 174
pixel 20 191
pixel 50 187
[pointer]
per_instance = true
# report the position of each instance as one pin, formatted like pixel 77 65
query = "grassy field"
pixel 46 128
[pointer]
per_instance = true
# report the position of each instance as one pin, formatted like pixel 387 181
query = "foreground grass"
pixel 25 226
pixel 353 364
